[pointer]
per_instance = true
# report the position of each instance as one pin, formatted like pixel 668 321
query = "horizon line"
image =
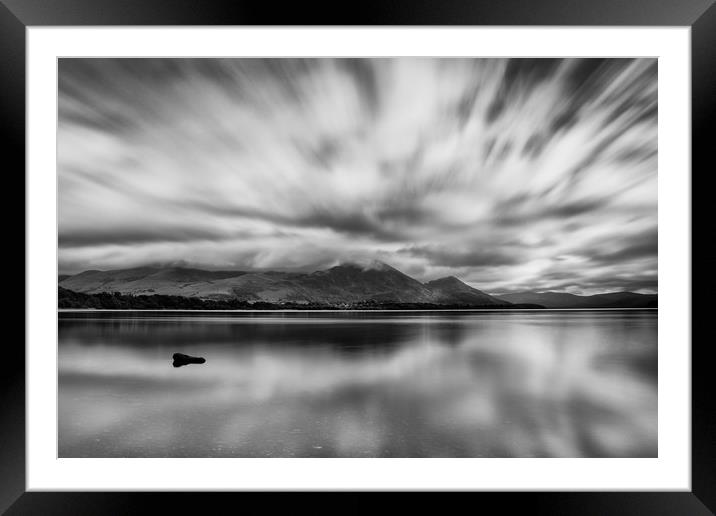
pixel 352 310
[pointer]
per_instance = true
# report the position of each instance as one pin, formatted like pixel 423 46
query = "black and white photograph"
pixel 409 257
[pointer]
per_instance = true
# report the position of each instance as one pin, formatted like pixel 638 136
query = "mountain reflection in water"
pixel 439 384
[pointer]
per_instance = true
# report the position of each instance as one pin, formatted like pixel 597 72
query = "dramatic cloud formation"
pixel 512 174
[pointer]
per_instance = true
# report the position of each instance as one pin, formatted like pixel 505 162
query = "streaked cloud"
pixel 509 173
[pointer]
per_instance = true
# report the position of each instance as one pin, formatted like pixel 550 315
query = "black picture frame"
pixel 700 15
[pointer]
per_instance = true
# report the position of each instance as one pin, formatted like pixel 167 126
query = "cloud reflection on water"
pixel 501 385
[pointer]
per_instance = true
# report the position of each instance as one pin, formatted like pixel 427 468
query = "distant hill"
pixel 348 283
pixel 565 300
pixel 176 281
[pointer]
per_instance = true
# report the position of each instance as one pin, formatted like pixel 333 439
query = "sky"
pixel 510 174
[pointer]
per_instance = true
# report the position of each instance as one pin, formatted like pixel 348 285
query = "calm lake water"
pixel 341 384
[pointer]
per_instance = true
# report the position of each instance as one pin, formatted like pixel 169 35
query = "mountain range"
pixel 566 300
pixel 343 285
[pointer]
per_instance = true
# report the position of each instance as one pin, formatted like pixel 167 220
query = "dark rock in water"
pixel 180 359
